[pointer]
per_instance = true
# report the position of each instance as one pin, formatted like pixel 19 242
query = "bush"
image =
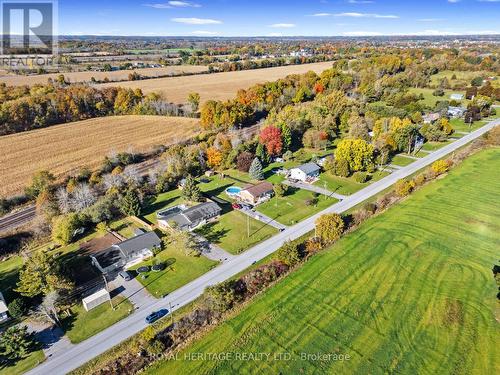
pixel 404 187
pixel 438 92
pixel 341 168
pixel 289 254
pixel 419 180
pixel 18 308
pixel 313 245
pixel 440 167
pixel 329 227
pixel 360 177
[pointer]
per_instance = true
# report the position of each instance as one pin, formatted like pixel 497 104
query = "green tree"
pixel 40 275
pixel 194 100
pixel 18 308
pixel 357 152
pixel 130 204
pixel 255 170
pixel 289 254
pixel 41 181
pixel 223 296
pixel 262 154
pixel 329 227
pixel 191 190
pixel 64 227
pixel 16 343
pixel 286 135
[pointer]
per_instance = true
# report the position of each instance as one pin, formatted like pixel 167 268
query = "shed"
pixel 96 299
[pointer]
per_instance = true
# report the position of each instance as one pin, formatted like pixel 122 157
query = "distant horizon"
pixel 278 18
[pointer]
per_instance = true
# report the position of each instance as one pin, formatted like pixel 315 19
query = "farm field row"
pixel 67 147
pixel 218 86
pixel 119 75
pixel 423 303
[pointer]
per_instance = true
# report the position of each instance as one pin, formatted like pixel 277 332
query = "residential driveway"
pixel 315 189
pixel 212 251
pixel 133 290
pixel 51 338
pixel 263 218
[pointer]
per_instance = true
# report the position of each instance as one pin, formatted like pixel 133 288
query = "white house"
pixel 305 173
pixel 3 309
pixel 456 112
pixel 456 96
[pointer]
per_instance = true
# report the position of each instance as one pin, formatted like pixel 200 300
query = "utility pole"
pixel 107 290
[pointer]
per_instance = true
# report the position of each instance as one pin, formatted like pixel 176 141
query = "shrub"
pixel 313 245
pixel 419 179
pixel 440 166
pixel 289 254
pixel 360 177
pixel 18 308
pixel 404 187
pixel 341 168
pixel 438 92
pixel 329 227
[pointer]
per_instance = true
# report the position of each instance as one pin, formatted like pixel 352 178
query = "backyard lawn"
pixel 410 291
pixel 402 161
pixel 430 100
pixel 433 146
pixel 346 186
pixel 230 232
pixel 163 200
pixel 181 268
pixel 297 205
pixel 84 324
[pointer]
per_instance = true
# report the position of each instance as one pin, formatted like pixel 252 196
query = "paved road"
pixel 81 353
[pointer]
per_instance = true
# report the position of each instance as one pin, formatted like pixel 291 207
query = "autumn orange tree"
pixel 270 137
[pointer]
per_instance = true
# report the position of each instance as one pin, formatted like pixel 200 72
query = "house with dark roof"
pixel 306 172
pixel 126 253
pixel 256 194
pixel 188 218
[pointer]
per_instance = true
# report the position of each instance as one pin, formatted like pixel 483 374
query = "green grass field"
pixel 181 268
pixel 25 364
pixel 431 100
pixel 230 232
pixel 84 324
pixel 293 208
pixel 401 160
pixel 410 291
pixel 462 78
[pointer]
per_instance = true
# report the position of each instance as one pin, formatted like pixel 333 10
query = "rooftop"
pixel 308 168
pixel 259 189
pixel 143 241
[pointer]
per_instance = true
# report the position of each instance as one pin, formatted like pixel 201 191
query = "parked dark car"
pixel 155 315
pixel 126 275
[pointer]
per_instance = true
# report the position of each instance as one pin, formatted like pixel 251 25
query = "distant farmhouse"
pixel 188 219
pixel 456 96
pixel 306 172
pixel 126 253
pixel 256 194
pixel 456 112
pixel 3 309
pixel 430 118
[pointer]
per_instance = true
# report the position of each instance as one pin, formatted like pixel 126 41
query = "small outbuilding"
pixel 96 299
pixel 306 172
pixel 456 96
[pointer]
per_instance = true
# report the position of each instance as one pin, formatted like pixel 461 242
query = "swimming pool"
pixel 233 191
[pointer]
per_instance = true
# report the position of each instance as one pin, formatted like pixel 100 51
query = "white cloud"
pixel 321 15
pixel 204 32
pixel 173 4
pixel 362 33
pixel 453 1
pixel 197 21
pixel 365 15
pixel 283 25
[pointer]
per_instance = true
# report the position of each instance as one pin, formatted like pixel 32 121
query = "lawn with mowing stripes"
pixel 410 291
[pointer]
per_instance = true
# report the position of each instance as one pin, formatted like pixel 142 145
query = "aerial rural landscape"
pixel 250 187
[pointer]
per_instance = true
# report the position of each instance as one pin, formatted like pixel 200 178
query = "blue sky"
pixel 278 17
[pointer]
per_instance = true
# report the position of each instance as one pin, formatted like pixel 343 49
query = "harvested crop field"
pixel 67 147
pixel 120 75
pixel 217 85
